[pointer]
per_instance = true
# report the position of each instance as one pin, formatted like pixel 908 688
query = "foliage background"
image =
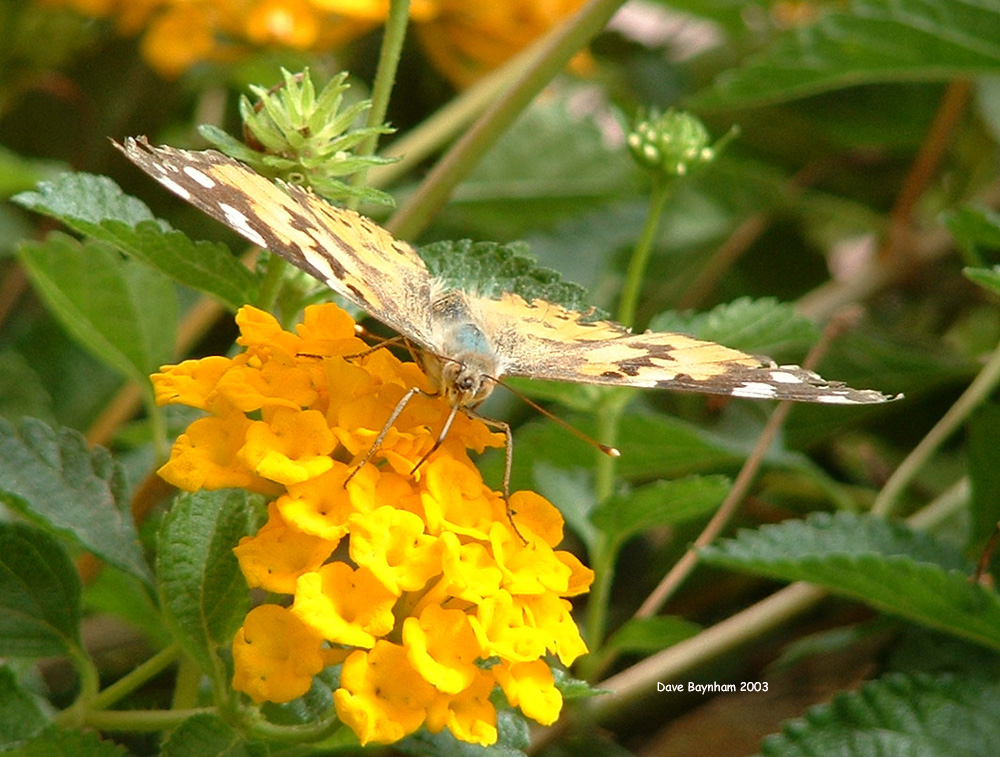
pixel 865 175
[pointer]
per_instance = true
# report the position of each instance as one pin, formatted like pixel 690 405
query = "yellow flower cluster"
pixel 464 38
pixel 415 580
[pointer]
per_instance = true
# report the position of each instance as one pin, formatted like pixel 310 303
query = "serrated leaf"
pixel 884 564
pixel 39 594
pixel 660 503
pixel 870 41
pixel 942 716
pixel 63 742
pixel 96 206
pixel 84 198
pixel 53 477
pixel 649 635
pixel 208 736
pixel 490 269
pixel 20 716
pixel 203 593
pixel 121 311
pixel 760 327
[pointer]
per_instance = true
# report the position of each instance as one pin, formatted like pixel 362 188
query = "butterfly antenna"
pixel 606 449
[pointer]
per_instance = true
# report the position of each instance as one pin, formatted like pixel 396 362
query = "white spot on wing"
pixel 755 390
pixel 782 377
pixel 174 187
pixel 835 399
pixel 206 181
pixel 240 223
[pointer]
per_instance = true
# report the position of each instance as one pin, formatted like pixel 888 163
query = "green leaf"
pixel 21 390
pixel 96 206
pixel 977 232
pixel 208 736
pixel 984 470
pixel 20 716
pixel 884 564
pixel 53 477
pixel 56 742
pixel 871 41
pixel 204 595
pixel 114 592
pixel 121 311
pixel 763 326
pixel 572 492
pixel 662 502
pixel 649 635
pixel 549 164
pixel 987 278
pixel 39 594
pixel 512 739
pixel 652 446
pixel 18 173
pixel 490 269
pixel 939 716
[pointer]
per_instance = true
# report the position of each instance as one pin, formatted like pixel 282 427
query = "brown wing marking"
pixel 543 340
pixel 351 254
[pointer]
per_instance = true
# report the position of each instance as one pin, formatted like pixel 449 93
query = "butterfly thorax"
pixel 463 363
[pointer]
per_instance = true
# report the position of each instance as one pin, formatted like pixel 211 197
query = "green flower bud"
pixel 673 143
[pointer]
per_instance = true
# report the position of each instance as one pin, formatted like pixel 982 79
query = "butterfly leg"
pixel 438 441
pixel 396 412
pixel 508 463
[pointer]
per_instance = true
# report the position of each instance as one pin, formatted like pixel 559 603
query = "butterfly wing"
pixel 543 340
pixel 352 255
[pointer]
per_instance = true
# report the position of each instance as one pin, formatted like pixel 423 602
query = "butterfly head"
pixel 462 382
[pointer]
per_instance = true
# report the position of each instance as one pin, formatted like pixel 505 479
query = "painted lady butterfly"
pixel 468 342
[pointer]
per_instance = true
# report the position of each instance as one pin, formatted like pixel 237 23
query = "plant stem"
pixel 662 191
pixel 609 412
pixel 419 143
pixel 557 48
pixel 393 36
pixel 136 678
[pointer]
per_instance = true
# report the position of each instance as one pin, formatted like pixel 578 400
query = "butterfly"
pixel 467 342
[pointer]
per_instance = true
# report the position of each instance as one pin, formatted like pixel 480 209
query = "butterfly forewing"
pixel 349 253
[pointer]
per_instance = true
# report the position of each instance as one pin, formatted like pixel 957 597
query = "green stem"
pixel 157 422
pixel 558 47
pixel 980 388
pixel 394 34
pixel 136 678
pixel 274 274
pixel 609 413
pixel 660 195
pixel 443 125
pixel 140 720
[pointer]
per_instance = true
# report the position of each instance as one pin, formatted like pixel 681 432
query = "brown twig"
pixel 679 573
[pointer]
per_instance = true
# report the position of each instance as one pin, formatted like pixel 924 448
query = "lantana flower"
pixel 464 39
pixel 414 577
